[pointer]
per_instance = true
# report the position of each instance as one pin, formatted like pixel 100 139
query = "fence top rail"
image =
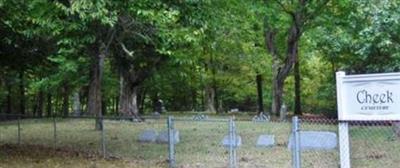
pixel 26 116
pixel 203 120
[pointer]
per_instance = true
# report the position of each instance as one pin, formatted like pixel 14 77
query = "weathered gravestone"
pixel 163 137
pixel 315 140
pixel 265 141
pixel 200 117
pixel 262 117
pixel 396 128
pixel 149 135
pixel 227 142
pixel 156 115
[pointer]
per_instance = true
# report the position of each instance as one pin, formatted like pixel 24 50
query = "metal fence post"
pixel 235 143
pixel 171 143
pixel 296 160
pixel 103 141
pixel 19 130
pixel 232 144
pixel 54 132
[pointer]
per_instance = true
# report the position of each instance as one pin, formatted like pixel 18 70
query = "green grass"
pixel 200 144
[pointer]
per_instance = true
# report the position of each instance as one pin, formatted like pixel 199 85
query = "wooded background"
pixel 120 57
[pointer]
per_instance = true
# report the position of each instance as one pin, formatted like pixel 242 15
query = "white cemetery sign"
pixel 365 98
pixel 368 97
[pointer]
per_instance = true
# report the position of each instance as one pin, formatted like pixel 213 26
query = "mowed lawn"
pixel 79 145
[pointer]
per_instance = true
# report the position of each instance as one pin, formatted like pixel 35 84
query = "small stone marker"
pixel 396 128
pixel 200 117
pixel 163 137
pixel 315 140
pixel 226 142
pixel 265 141
pixel 149 135
pixel 261 117
pixel 156 115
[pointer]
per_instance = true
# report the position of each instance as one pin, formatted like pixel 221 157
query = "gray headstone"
pixel 149 135
pixel 315 140
pixel 396 128
pixel 261 117
pixel 226 142
pixel 200 117
pixel 265 141
pixel 156 115
pixel 163 137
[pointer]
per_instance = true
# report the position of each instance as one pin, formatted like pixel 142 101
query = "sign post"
pixel 369 97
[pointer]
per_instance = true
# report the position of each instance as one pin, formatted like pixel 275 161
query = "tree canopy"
pixel 124 57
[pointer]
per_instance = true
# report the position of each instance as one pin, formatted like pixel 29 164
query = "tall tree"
pixel 294 16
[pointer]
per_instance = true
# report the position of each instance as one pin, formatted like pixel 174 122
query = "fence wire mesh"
pixel 374 144
pixel 201 143
pixel 319 143
pixel 264 144
pixel 145 143
pixel 126 139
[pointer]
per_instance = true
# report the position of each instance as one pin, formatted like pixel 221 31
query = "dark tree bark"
pixel 40 103
pixel 281 71
pixel 22 92
pixel 103 106
pixel 301 16
pixel 9 100
pixel 49 105
pixel 141 98
pixel 34 106
pixel 116 104
pixel 297 89
pixel 76 105
pixel 194 99
pixel 65 101
pixel 128 98
pixel 94 98
pixel 260 94
pixel 210 99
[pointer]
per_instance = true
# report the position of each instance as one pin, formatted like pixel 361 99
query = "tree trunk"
pixel 116 104
pixel 128 99
pixel 216 98
pixel 76 104
pixel 277 92
pixel 94 100
pixel 35 105
pixel 121 92
pixel 9 101
pixel 297 89
pixel 260 94
pixel 141 98
pixel 210 99
pixel 22 92
pixel 49 105
pixel 281 72
pixel 194 99
pixel 103 106
pixel 40 103
pixel 65 104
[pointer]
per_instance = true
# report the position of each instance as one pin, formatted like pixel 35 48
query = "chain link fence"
pixel 200 142
pixel 158 141
pixel 374 144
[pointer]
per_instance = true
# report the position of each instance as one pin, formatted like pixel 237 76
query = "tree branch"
pixel 279 2
pixel 129 53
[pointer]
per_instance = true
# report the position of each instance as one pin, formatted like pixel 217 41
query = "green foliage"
pixel 198 44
